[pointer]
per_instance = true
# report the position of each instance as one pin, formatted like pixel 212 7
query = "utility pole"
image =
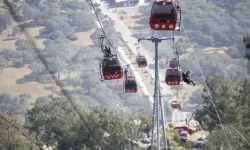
pixel 158 107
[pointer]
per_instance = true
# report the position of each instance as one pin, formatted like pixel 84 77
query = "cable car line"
pixel 104 31
pixel 210 96
pixel 51 72
pixel 227 122
pixel 101 25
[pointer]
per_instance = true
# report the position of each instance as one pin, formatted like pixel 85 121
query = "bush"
pixel 171 125
pixel 21 81
pixel 72 37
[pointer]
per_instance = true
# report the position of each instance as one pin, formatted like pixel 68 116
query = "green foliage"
pixel 10 137
pixel 74 65
pixel 208 25
pixel 146 123
pixel 72 37
pixel 56 121
pixel 5 20
pixel 246 41
pixel 231 97
pixel 14 105
pixel 4 63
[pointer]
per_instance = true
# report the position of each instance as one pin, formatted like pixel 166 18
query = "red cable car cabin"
pixel 175 105
pixel 173 76
pixel 174 63
pixel 141 61
pixel 131 85
pixel 165 15
pixel 111 68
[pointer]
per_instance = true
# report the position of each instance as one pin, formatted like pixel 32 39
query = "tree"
pixel 14 105
pixel 146 123
pixel 231 98
pixel 44 99
pixel 56 121
pixel 23 45
pixel 10 137
pixel 57 65
pixel 37 67
pixel 28 12
pixel 206 40
pixel 4 63
pixel 75 82
pixel 246 40
pixel 82 21
pixel 16 30
pixel 5 19
pixel 30 2
pixel 52 88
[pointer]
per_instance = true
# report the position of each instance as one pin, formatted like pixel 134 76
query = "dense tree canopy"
pixel 231 99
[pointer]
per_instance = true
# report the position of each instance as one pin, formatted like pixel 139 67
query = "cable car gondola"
pixel 130 85
pixel 173 76
pixel 111 69
pixel 165 15
pixel 175 105
pixel 141 61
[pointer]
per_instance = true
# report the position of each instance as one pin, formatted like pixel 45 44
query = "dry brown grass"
pixel 33 32
pixel 8 84
pixel 84 38
pixel 7 42
pixel 8 78
pixel 128 17
pixel 215 49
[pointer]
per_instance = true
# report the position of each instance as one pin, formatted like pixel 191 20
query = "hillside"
pixel 51 93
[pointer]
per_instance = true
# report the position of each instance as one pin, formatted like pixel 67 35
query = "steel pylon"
pixel 158 118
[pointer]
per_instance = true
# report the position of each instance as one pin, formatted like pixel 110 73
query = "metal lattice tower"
pixel 158 118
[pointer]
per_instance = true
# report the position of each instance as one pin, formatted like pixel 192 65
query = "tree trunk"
pixel 52 92
pixel 37 132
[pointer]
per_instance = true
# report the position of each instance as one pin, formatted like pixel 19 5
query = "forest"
pixel 91 114
pixel 210 26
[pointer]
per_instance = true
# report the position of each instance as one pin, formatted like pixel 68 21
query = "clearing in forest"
pixel 11 75
pixel 127 15
pixel 33 33
pixel 9 86
pixel 84 38
pixel 215 49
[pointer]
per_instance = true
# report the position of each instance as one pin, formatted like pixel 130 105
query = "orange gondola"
pixel 111 69
pixel 173 76
pixel 175 105
pixel 141 61
pixel 130 85
pixel 165 15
